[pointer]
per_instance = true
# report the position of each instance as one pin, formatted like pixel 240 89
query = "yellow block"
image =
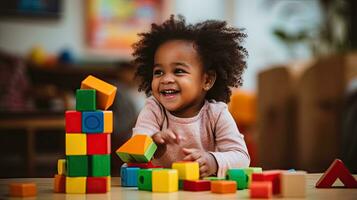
pixel 76 185
pixel 105 91
pixel 165 180
pixel 76 144
pixel 109 183
pixel 61 167
pixel 187 170
pixel 108 121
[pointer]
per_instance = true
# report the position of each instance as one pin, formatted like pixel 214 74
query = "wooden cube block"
pixel 249 171
pixel 77 166
pixel 59 185
pixel 293 184
pixel 98 144
pixel 261 189
pixel 85 100
pixel 239 176
pixel 129 176
pixel 73 121
pixel 105 91
pixel 145 179
pixel 61 166
pixel 76 144
pixel 76 185
pixel 187 170
pixel 97 185
pixel 165 180
pixel 223 187
pixel 100 165
pixel 196 185
pixel 22 189
pixel 92 122
pixel 108 121
pixel 270 175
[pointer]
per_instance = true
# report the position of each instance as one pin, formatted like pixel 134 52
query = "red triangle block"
pixel 337 170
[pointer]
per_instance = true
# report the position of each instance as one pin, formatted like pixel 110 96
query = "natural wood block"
pixel 76 185
pixel 99 165
pixel 76 144
pixel 105 91
pixel 59 183
pixel 85 100
pixel 73 121
pixel 98 143
pixel 187 170
pixel 293 184
pixel 129 176
pixel 92 122
pixel 196 185
pixel 261 189
pixel 22 189
pixel 271 175
pixel 77 166
pixel 223 187
pixel 239 176
pixel 165 180
pixel 61 166
pixel 97 185
pixel 108 121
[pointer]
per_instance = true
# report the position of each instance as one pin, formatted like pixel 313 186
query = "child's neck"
pixel 190 111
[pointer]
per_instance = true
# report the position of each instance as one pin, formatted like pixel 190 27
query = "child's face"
pixel 179 82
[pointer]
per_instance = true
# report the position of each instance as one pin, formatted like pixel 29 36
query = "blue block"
pixel 92 122
pixel 129 176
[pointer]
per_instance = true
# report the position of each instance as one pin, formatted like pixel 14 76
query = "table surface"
pixel 45 191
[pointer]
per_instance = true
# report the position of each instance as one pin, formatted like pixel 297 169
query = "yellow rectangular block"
pixel 165 180
pixel 61 167
pixel 105 91
pixel 76 144
pixel 76 185
pixel 108 121
pixel 187 170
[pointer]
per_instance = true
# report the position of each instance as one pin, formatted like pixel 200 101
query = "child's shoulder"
pixel 216 107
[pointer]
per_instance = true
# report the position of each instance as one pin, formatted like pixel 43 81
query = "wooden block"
pixel 97 185
pixel 76 185
pixel 85 100
pixel 105 91
pixel 22 189
pixel 336 170
pixel 61 166
pixel 100 165
pixel 145 179
pixel 76 144
pixel 293 184
pixel 214 178
pixel 196 185
pixel 59 184
pixel 147 165
pixel 98 144
pixel 129 176
pixel 223 187
pixel 239 176
pixel 92 122
pixel 108 121
pixel 249 171
pixel 261 189
pixel 165 180
pixel 271 175
pixel 73 121
pixel 77 166
pixel 187 170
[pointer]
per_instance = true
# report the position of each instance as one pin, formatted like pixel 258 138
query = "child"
pixel 186 71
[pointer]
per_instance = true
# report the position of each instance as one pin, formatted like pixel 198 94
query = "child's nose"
pixel 167 78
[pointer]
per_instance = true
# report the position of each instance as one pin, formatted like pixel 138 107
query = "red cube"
pixel 271 175
pixel 196 185
pixel 98 143
pixel 59 183
pixel 261 189
pixel 73 121
pixel 97 185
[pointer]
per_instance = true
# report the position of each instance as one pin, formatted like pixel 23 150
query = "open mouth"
pixel 169 92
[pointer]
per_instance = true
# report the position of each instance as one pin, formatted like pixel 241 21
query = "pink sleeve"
pixel 150 118
pixel 231 150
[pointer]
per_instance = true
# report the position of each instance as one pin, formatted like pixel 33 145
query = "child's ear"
pixel 210 78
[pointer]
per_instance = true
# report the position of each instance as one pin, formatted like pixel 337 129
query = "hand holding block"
pixel 73 121
pixel 165 180
pixel 105 91
pixel 22 189
pixel 187 170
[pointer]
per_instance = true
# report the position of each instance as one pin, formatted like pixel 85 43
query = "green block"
pixel 100 165
pixel 147 155
pixel 85 100
pixel 213 178
pixel 250 170
pixel 125 157
pixel 181 184
pixel 77 166
pixel 239 176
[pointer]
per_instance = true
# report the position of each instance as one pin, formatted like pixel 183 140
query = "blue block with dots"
pixel 129 176
pixel 92 122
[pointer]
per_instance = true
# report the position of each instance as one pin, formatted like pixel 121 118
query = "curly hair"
pixel 217 45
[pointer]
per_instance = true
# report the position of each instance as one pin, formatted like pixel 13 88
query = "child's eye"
pixel 158 72
pixel 179 71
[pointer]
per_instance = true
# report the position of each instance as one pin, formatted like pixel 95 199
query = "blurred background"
pixel 297 107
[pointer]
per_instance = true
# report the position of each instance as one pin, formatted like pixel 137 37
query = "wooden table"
pixel 45 191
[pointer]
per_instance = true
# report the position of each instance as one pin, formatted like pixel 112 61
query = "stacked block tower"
pixel 86 168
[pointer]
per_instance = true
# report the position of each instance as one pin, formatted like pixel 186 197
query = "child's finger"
pixel 158 138
pixel 201 161
pixel 188 151
pixel 203 169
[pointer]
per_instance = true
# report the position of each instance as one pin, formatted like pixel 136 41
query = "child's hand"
pixel 207 162
pixel 166 137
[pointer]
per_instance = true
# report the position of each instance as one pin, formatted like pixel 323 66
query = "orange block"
pixel 22 189
pixel 105 91
pixel 136 145
pixel 59 183
pixel 261 189
pixel 223 187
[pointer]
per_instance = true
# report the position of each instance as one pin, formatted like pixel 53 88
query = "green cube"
pixel 85 100
pixel 239 176
pixel 147 155
pixel 145 179
pixel 100 165
pixel 77 166
pixel 181 184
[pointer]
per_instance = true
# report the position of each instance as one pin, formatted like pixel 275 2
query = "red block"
pixel 98 143
pixel 261 189
pixel 97 185
pixel 73 121
pixel 271 175
pixel 59 183
pixel 337 170
pixel 147 165
pixel 196 185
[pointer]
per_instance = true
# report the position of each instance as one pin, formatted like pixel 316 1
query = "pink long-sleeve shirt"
pixel 213 130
